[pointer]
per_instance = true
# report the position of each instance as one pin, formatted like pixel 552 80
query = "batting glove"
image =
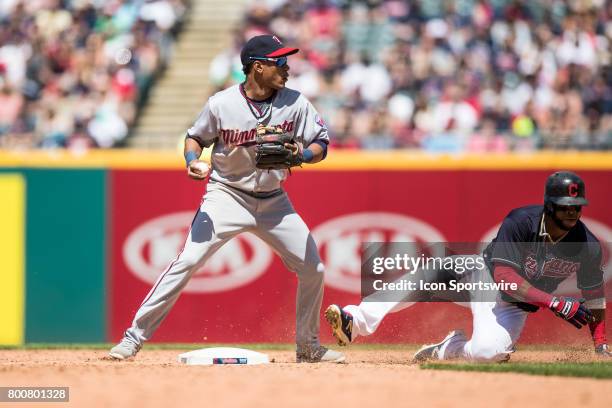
pixel 572 310
pixel 603 351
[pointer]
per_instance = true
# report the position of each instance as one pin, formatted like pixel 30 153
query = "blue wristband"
pixel 308 155
pixel 189 157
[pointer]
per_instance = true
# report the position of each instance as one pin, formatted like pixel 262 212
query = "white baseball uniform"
pixel 239 197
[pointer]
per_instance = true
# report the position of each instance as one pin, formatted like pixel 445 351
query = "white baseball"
pixel 202 167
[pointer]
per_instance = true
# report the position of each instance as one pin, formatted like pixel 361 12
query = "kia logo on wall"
pixel 340 241
pixel 599 229
pixel 149 249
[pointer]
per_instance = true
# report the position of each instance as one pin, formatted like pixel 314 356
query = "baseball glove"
pixel 276 149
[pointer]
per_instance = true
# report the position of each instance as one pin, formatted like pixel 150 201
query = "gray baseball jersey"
pixel 230 119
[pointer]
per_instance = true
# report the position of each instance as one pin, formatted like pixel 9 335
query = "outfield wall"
pixel 63 261
pixel 95 231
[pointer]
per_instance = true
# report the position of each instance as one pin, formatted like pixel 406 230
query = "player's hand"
pixel 198 170
pixel 294 148
pixel 603 351
pixel 572 310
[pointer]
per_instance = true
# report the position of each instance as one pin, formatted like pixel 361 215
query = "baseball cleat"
pixel 436 351
pixel 126 349
pixel 341 324
pixel 318 354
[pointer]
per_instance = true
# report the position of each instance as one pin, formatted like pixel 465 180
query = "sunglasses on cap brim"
pixel 279 62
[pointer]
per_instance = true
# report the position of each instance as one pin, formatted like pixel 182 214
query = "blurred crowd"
pixel 445 76
pixel 438 75
pixel 73 73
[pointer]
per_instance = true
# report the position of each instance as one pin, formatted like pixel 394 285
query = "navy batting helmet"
pixel 565 188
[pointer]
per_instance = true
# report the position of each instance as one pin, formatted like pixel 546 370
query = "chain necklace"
pixel 544 233
pixel 261 110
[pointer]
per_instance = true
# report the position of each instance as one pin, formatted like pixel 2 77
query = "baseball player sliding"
pixel 537 247
pixel 259 129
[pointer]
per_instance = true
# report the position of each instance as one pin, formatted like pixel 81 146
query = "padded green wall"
pixel 65 255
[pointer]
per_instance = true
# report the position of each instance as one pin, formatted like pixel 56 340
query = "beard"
pixel 560 223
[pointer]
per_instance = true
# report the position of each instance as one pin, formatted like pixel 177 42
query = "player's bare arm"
pixel 315 151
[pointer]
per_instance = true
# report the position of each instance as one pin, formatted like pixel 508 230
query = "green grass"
pixel 599 370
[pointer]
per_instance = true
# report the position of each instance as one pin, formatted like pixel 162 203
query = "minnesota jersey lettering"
pixel 237 137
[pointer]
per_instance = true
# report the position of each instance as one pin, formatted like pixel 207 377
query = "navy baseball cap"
pixel 264 46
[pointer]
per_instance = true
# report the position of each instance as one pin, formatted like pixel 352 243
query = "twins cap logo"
pixel 573 189
pixel 340 242
pixel 152 246
pixel 275 38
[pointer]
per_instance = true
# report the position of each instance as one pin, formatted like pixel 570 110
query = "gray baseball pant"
pixel 225 213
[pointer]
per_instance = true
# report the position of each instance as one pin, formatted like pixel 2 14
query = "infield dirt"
pixel 373 378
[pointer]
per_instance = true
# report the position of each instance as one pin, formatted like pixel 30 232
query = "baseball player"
pixel 243 122
pixel 531 249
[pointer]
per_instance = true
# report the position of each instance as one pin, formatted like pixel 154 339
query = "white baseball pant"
pixel 497 325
